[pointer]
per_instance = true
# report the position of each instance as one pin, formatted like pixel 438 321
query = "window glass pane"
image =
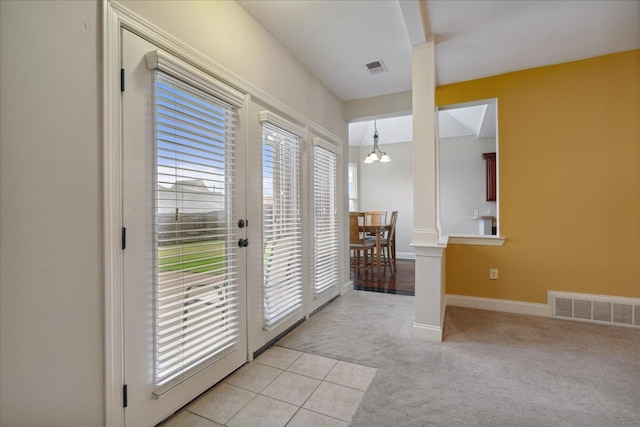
pixel 195 279
pixel 353 186
pixel 325 247
pixel 282 225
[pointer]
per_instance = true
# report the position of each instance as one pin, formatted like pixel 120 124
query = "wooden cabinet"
pixel 490 159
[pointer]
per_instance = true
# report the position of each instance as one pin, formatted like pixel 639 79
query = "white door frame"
pixel 316 302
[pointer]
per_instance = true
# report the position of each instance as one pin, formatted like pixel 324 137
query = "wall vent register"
pixel 595 308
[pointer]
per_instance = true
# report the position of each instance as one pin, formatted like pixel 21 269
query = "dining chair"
pixel 360 249
pixel 388 244
pixel 376 217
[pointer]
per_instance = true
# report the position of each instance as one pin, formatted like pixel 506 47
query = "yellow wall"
pixel 569 167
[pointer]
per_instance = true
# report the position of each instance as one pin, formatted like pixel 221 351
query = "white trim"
pixel 164 62
pixel 325 134
pixel 427 332
pixel 433 251
pixel 468 104
pixel 282 123
pixel 476 240
pixel 406 255
pixel 327 145
pixel 505 306
pixel 346 287
pixel 112 219
pixel 424 237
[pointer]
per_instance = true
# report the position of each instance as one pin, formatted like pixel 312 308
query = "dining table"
pixel 377 230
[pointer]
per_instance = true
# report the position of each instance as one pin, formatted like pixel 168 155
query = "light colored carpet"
pixel 493 369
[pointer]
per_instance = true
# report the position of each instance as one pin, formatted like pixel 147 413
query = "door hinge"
pixel 124 238
pixel 121 79
pixel 125 403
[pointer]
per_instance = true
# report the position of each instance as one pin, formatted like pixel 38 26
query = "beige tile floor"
pixel 280 388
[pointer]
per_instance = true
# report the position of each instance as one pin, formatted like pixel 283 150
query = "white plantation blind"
pixel 282 225
pixel 195 289
pixel 325 220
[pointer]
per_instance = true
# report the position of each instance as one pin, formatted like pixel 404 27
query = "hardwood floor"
pixel 401 282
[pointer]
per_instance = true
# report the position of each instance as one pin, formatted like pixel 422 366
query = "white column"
pixel 430 291
pixel 425 238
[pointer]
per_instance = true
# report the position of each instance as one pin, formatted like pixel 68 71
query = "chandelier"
pixel 376 154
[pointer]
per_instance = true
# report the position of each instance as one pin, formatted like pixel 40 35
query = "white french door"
pixel 277 272
pixel 324 176
pixel 282 226
pixel 184 272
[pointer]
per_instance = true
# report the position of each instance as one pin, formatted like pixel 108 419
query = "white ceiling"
pixel 335 39
pixel 482 38
pixel 474 39
pixel 477 120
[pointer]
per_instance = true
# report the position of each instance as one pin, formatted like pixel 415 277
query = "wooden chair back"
pixel 389 243
pixel 392 225
pixel 356 219
pixel 361 249
pixel 376 217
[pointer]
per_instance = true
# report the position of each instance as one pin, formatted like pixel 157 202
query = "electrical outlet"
pixel 493 273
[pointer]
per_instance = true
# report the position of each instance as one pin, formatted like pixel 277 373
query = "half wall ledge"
pixel 476 240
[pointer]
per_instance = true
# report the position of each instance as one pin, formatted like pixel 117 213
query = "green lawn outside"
pixel 196 257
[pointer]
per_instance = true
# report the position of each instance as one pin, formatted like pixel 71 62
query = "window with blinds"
pixel 195 289
pixel 352 172
pixel 282 225
pixel 325 220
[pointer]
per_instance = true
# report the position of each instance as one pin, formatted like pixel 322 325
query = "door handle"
pixel 243 243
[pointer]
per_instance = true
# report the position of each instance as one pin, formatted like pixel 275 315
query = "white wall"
pixel 388 187
pixel 378 107
pixel 51 302
pixel 227 34
pixel 51 352
pixel 463 183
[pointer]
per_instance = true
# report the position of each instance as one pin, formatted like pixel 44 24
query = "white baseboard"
pixel 406 255
pixel 506 306
pixel 427 332
pixel 346 287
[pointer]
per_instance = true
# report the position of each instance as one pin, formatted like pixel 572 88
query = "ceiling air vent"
pixel 376 67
